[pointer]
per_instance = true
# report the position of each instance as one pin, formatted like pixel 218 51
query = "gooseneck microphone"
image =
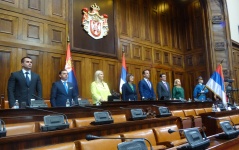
pixel 53 112
pixel 37 97
pixel 54 122
pixel 3 129
pixel 234 127
pixel 93 137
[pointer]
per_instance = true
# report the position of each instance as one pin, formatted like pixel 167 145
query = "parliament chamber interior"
pixel 58 56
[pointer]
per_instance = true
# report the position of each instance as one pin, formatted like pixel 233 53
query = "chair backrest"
pixel 235 119
pixel 221 119
pixel 61 146
pixel 178 113
pixel 145 133
pixel 80 122
pixel 70 121
pixel 119 118
pixel 209 109
pixel 199 111
pixel 103 144
pixel 6 104
pixel 189 112
pixel 162 135
pixel 48 103
pixel 22 128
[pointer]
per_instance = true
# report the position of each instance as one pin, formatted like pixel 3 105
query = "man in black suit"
pixel 146 89
pixel 23 85
pixel 63 90
pixel 163 88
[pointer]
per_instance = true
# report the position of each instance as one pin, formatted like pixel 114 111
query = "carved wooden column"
pixel 219 41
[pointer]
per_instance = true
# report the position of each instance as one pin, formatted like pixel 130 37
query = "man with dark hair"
pixel 63 90
pixel 24 85
pixel 146 89
pixel 163 88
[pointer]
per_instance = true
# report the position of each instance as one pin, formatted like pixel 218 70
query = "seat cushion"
pixel 103 144
pixel 22 128
pixel 62 146
pixel 145 133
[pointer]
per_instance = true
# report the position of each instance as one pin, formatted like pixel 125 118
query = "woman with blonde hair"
pixel 99 89
pixel 178 91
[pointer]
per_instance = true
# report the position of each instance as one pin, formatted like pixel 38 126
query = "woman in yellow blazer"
pixel 99 89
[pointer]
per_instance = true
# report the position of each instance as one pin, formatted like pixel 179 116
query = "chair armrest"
pixel 166 143
pixel 179 142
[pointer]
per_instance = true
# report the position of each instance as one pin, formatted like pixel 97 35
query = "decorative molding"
pixel 137 51
pixel 189 60
pixel 157 56
pixel 217 19
pixel 220 45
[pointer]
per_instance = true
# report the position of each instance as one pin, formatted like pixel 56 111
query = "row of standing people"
pixel 146 90
pixel 25 85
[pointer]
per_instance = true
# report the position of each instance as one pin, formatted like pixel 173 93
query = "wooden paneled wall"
pixel 165 36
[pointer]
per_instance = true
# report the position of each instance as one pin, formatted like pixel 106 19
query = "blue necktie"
pixel 65 87
pixel 27 78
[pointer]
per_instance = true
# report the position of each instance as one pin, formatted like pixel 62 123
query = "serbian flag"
pixel 70 69
pixel 216 84
pixel 123 73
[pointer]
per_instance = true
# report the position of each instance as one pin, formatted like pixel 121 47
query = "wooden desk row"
pixel 53 137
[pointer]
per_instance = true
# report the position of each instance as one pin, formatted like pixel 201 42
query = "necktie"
pixel 149 84
pixel 27 78
pixel 65 87
pixel 165 85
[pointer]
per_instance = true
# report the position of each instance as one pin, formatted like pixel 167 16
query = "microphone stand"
pixel 49 112
pixel 3 130
pixel 93 137
pixel 234 126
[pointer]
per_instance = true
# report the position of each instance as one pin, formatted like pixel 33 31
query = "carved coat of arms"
pixel 94 24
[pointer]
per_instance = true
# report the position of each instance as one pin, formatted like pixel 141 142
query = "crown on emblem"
pixel 95 7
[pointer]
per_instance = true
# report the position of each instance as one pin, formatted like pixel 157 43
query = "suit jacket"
pixel 59 95
pixel 19 90
pixel 145 91
pixel 128 93
pixel 163 92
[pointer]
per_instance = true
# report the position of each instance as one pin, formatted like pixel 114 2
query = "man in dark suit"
pixel 146 89
pixel 23 85
pixel 163 88
pixel 63 90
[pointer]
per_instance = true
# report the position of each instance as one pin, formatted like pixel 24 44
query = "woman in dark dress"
pixel 129 92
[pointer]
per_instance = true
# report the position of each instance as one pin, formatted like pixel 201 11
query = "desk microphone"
pixel 3 129
pixel 56 122
pixel 102 117
pixel 134 142
pixel 194 139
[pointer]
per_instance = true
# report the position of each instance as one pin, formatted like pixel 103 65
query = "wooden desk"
pixel 30 115
pixel 211 124
pixel 53 137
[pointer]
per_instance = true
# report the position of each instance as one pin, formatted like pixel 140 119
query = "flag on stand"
pixel 216 84
pixel 70 68
pixel 123 73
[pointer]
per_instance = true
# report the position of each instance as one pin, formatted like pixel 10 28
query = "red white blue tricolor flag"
pixel 123 73
pixel 70 69
pixel 216 84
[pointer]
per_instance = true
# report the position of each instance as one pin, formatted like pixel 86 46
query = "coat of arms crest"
pixel 94 24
